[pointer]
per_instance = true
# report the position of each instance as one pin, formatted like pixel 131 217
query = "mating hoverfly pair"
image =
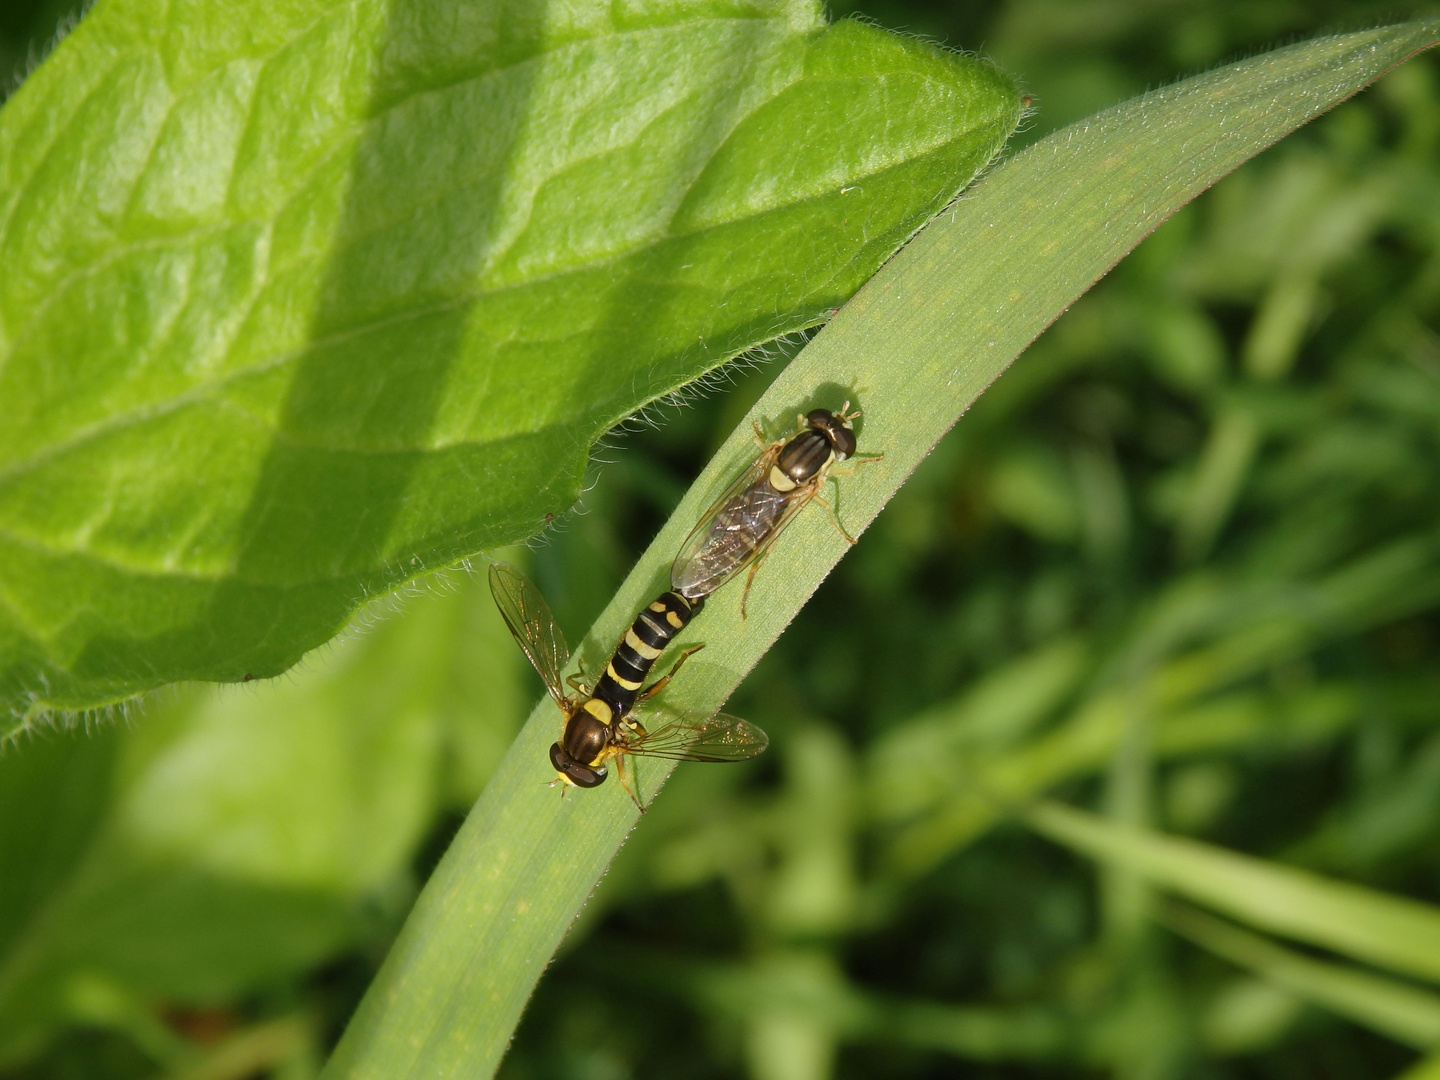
pixel 600 724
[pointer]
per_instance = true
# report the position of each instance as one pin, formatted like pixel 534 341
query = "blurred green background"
pixel 1180 566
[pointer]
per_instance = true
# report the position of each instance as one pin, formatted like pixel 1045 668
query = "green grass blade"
pixel 1406 1014
pixel 1388 931
pixel 1265 627
pixel 915 347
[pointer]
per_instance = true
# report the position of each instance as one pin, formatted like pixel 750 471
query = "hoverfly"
pixel 600 724
pixel 739 528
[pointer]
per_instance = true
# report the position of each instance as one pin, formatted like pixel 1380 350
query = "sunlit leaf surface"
pixel 303 300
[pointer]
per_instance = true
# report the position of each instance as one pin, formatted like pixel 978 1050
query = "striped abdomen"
pixel 653 629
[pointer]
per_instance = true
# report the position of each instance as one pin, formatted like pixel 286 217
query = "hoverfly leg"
pixel 578 680
pixel 659 684
pixel 750 580
pixel 835 520
pixel 851 464
pixel 627 783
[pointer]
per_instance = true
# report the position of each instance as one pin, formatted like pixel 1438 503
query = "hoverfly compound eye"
pixel 560 760
pixel 584 776
pixel 835 429
pixel 574 772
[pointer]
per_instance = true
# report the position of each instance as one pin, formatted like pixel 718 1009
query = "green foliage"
pixel 222 845
pixel 916 347
pixel 1370 926
pixel 299 303
pixel 1271 688
pixel 1176 565
pixel 1405 1013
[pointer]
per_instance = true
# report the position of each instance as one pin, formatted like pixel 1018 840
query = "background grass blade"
pixel 1255 629
pixel 1404 1013
pixel 914 349
pixel 1402 935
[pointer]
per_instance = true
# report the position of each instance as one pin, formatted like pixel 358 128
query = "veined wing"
pixel 529 619
pixel 714 552
pixel 742 532
pixel 694 737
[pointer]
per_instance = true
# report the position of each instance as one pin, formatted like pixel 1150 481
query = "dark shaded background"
pixel 1245 410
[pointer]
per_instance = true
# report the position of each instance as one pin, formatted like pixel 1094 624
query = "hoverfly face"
pixel 573 772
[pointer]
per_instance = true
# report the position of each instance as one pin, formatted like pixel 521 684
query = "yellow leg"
pixel 578 680
pixel 835 520
pixel 659 684
pixel 848 469
pixel 750 580
pixel 626 783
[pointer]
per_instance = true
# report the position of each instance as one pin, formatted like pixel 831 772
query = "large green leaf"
pixel 919 343
pixel 301 300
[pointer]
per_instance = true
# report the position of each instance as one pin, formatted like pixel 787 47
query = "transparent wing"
pixel 694 737
pixel 689 550
pixel 728 537
pixel 741 533
pixel 529 619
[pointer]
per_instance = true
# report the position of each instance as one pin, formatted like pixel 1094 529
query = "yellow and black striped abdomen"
pixel 653 629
